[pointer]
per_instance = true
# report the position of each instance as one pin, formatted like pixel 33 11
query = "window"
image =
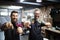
pixel 3 12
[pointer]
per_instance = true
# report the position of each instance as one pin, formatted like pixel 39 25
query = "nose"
pixel 15 16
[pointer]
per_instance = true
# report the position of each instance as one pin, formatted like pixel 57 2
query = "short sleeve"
pixel 43 24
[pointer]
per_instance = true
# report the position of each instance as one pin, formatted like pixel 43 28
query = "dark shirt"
pixel 35 31
pixel 11 34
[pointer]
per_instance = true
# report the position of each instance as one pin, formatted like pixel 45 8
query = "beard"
pixel 38 20
pixel 14 20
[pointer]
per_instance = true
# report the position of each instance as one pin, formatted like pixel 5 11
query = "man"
pixel 11 29
pixel 35 28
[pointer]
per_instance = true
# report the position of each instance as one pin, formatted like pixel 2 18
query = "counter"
pixel 52 34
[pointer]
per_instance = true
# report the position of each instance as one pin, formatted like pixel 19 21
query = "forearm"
pixel 6 26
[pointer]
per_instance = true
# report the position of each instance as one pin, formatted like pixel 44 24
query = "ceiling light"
pixel 21 0
pixel 14 7
pixel 38 0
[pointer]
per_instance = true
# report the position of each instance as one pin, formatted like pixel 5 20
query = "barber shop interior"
pixel 29 20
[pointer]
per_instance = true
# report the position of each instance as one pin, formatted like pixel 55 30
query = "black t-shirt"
pixel 35 31
pixel 11 34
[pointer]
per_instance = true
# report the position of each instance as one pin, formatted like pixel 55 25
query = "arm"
pixel 48 24
pixel 3 27
pixel 6 26
pixel 27 25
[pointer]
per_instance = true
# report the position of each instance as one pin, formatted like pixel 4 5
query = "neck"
pixel 14 24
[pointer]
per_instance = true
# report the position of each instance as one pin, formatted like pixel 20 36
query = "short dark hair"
pixel 13 12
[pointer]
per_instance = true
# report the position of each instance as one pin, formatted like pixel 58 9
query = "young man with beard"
pixel 11 29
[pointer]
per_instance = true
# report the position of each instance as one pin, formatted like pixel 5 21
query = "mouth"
pixel 14 20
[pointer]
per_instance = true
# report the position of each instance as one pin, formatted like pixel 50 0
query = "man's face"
pixel 14 17
pixel 37 14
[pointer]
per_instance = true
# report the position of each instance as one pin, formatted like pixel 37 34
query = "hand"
pixel 19 30
pixel 9 25
pixel 48 24
pixel 27 24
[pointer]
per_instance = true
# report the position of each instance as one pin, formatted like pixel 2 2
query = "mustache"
pixel 14 18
